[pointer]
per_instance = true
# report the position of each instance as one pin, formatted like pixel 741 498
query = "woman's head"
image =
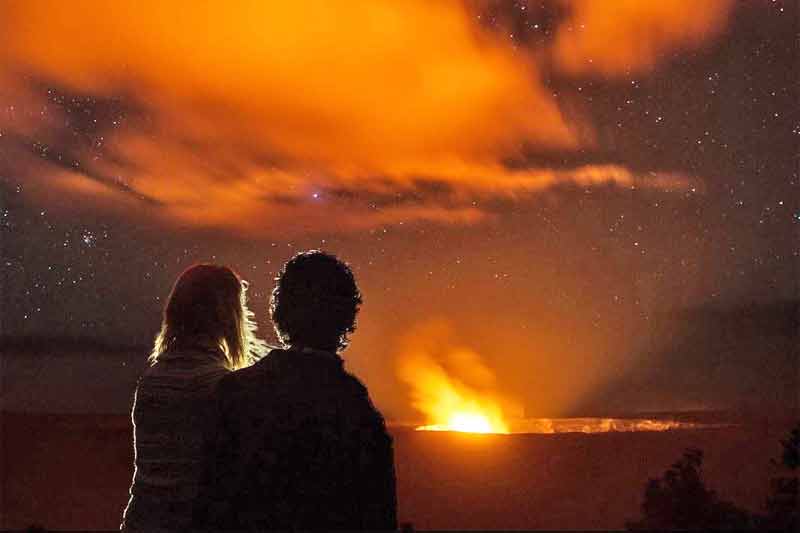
pixel 315 301
pixel 208 304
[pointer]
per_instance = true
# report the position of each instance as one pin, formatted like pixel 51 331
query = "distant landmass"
pixel 68 375
pixel 745 358
pixel 709 358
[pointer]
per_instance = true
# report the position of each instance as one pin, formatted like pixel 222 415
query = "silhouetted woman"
pixel 206 332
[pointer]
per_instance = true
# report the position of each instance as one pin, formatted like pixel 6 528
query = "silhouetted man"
pixel 300 445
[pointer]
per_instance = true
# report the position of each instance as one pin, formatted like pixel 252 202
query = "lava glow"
pixel 454 389
pixel 475 423
pixel 451 385
pixel 468 423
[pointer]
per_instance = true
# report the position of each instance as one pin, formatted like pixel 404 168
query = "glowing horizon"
pixel 468 422
pixel 474 423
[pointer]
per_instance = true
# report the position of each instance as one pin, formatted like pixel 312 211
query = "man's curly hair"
pixel 315 301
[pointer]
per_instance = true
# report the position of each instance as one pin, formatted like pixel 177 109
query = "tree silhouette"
pixel 680 500
pixel 783 502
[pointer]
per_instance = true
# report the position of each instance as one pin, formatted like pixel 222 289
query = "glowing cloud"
pixel 625 36
pixel 254 114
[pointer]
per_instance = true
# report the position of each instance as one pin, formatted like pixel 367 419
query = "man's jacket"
pixel 299 445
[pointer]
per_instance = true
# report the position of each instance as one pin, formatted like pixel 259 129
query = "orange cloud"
pixel 347 84
pixel 251 110
pixel 624 36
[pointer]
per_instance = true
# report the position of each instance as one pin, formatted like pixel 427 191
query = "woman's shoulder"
pixel 185 366
pixel 193 355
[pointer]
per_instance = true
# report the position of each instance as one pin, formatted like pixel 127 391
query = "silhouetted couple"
pixel 289 442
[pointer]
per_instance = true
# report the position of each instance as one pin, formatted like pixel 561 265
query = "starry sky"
pixel 555 183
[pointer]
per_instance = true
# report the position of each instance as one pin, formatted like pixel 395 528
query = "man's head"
pixel 315 301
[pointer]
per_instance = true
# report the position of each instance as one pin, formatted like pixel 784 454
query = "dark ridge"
pixel 779 317
pixel 34 345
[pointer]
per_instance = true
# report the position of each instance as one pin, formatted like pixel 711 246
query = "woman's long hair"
pixel 208 304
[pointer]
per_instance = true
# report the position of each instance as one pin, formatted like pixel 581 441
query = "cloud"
pixel 245 118
pixel 626 36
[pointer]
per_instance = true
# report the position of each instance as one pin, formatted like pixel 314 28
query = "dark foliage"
pixel 680 500
pixel 783 502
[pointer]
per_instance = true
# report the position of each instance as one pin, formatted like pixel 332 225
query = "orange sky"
pixel 465 172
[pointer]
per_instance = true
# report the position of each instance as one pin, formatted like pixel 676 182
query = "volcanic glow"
pixel 468 422
pixel 465 422
pixel 451 405
pixel 450 384
pixel 477 423
pixel 454 388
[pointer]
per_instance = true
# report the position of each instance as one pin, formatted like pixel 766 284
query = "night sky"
pixel 555 185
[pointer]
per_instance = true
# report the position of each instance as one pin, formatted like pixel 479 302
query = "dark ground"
pixel 73 471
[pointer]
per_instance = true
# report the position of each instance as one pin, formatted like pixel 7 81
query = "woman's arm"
pixel 213 503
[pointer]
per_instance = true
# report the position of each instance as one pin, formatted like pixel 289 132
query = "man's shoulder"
pixel 362 400
pixel 273 376
pixel 354 385
pixel 245 378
